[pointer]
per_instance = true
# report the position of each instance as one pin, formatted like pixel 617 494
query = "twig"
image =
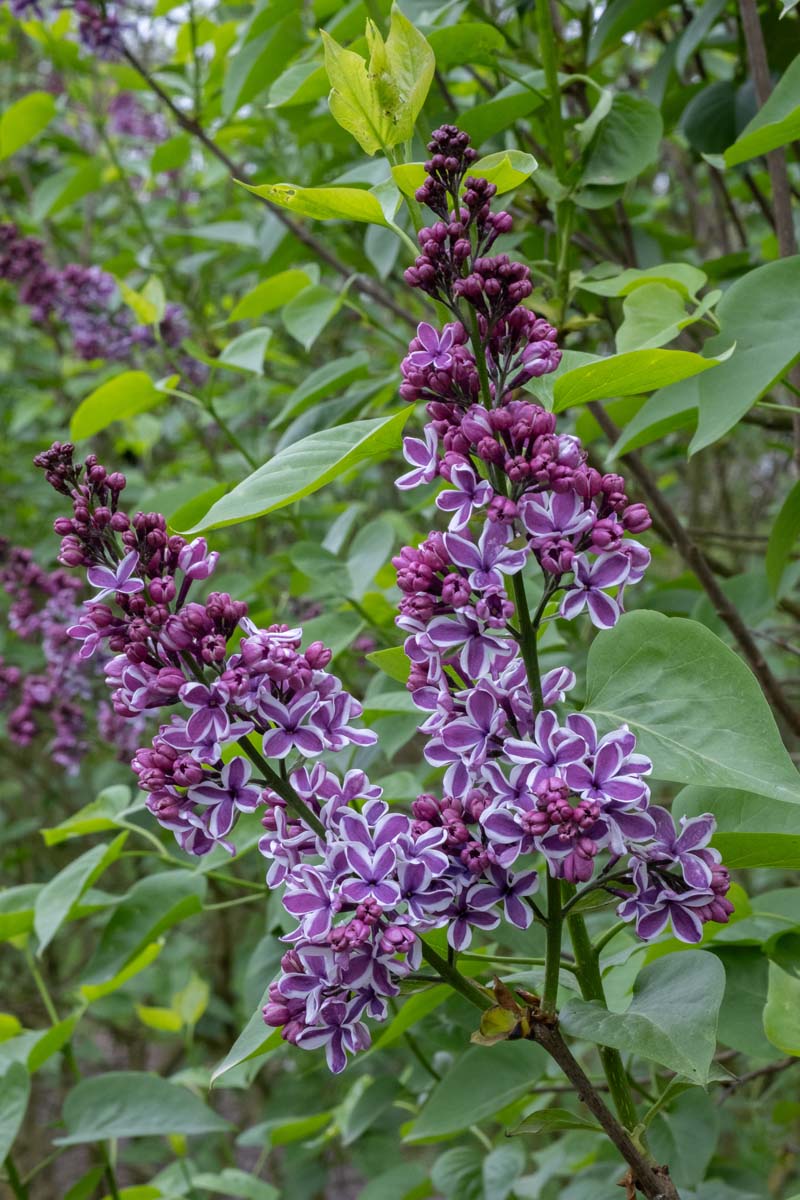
pixel 654 1181
pixel 770 1069
pixel 696 561
pixel 193 127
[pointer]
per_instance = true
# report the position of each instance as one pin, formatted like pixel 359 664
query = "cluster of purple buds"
pixel 129 118
pixel 518 784
pixel 55 699
pixel 171 649
pixel 86 301
pixel 100 26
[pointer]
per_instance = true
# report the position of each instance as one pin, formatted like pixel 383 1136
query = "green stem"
pixel 606 937
pixel 591 985
pixel 480 358
pixel 230 435
pixel 470 991
pixel 549 56
pixel 283 788
pixel 527 642
pixel 17 1186
pixel 515 961
pixel 552 968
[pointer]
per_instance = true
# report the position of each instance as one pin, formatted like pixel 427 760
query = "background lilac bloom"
pixel 608 570
pixel 119 579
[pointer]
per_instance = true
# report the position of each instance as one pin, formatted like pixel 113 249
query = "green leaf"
pixel 25 120
pixel 117 399
pixel 484 1080
pixel 695 708
pixel 246 352
pixel 96 817
pixel 501 1169
pixel 192 1000
pixel 740 1017
pixel 393 662
pixel 619 17
pixel 270 294
pixel 323 203
pixel 458 1174
pixel 511 103
pixel 709 120
pixel 53 1040
pixel 232 1182
pixel 782 1011
pixel 414 1009
pixel 547 1120
pixel 752 831
pixel 56 899
pixel 153 905
pixel 696 31
pixel 58 191
pixel 16 909
pixel 627 141
pixel 759 313
pixel 165 1020
pixel 379 104
pixel 307 313
pixel 653 315
pixel 686 279
pixel 775 124
pixel 96 991
pixel 782 538
pixel 467 42
pixel 626 375
pixel 260 61
pixel 671 1020
pixel 305 467
pixel 133 1104
pixel 686 1136
pixel 255 1039
pixel 506 170
pixel 15 1088
pixel 323 383
pixel 145 310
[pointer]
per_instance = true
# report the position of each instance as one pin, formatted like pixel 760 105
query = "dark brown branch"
pixel 654 1181
pixel 193 127
pixel 770 1069
pixel 696 561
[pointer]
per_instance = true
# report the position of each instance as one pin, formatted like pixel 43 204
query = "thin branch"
pixel 193 127
pixel 768 1071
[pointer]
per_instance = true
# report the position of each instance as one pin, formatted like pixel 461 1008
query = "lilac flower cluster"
pixel 172 650
pixel 100 26
pixel 517 781
pixel 87 301
pixel 55 697
pixel 129 118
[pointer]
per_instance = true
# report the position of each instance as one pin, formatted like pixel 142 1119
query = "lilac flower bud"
pixel 636 518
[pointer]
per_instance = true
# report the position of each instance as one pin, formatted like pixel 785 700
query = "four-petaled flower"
pixel 587 590
pixel 111 580
pixel 436 347
pixel 424 460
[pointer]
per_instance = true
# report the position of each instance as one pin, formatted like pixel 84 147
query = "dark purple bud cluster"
pixel 86 301
pixel 58 699
pixel 170 649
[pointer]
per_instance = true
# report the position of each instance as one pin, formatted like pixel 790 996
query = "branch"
pixel 654 1181
pixel 695 560
pixel 770 1069
pixel 193 127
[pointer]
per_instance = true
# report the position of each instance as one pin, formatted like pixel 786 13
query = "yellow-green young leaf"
pixel 323 204
pixel 123 396
pixel 165 1020
pixel 393 662
pixel 98 816
pixel 58 896
pixel 153 293
pixel 411 64
pixel 191 1002
pixel 782 538
pixel 23 121
pixel 54 1039
pixel 352 99
pixel 782 1011
pixel 685 278
pixel 627 375
pixel 95 991
pixel 506 170
pixel 146 312
pixel 10 1026
pixel 270 294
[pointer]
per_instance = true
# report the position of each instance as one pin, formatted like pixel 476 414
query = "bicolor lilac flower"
pixel 210 721
pixel 119 579
pixel 657 907
pixel 587 591
pixel 423 457
pixel 548 516
pixel 480 647
pixel 370 877
pixel 310 899
pixel 196 561
pixel 292 732
pixel 552 748
pixel 509 890
pixel 465 916
pixel 339 1030
pixel 470 737
pixel 466 496
pixel 556 684
pixel 436 347
pixel 223 799
pixel 612 773
pixel 688 848
pixel 489 559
